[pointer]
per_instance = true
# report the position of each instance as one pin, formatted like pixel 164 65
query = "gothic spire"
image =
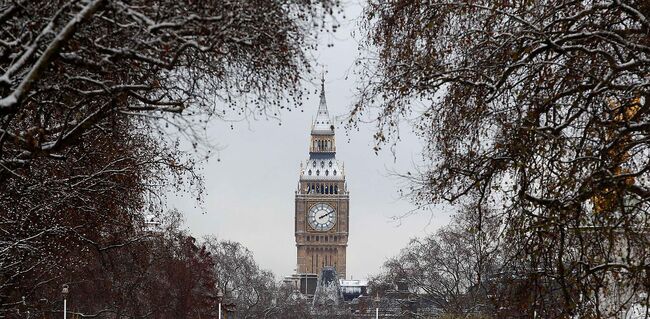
pixel 322 123
pixel 322 107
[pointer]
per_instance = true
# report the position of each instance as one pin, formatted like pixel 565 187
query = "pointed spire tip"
pixel 322 81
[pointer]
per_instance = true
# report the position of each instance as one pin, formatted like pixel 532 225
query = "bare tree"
pixel 66 215
pixel 289 304
pixel 451 269
pixel 148 274
pixel 539 111
pixel 67 65
pixel 87 89
pixel 251 289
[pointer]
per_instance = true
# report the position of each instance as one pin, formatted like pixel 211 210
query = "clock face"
pixel 321 217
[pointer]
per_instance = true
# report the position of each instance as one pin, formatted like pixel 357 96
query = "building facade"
pixel 322 201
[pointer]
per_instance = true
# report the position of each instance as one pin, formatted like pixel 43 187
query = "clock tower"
pixel 322 201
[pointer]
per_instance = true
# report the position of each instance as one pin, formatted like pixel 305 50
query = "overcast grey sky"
pixel 250 191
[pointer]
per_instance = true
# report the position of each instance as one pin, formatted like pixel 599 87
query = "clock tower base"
pixel 312 259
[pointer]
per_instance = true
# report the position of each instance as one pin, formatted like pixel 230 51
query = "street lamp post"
pixel 377 306
pixel 65 291
pixel 219 298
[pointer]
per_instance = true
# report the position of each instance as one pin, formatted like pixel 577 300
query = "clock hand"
pixel 321 216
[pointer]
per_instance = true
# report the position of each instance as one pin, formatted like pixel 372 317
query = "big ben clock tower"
pixel 322 201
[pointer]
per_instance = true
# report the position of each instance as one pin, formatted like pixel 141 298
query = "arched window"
pixel 334 172
pixel 313 164
pixel 327 172
pixel 330 163
pixel 322 189
pixel 317 172
pixel 336 189
pixel 309 172
pixel 322 164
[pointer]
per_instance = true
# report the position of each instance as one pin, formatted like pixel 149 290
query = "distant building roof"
pixel 350 282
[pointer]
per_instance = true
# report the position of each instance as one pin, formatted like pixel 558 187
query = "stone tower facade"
pixel 322 202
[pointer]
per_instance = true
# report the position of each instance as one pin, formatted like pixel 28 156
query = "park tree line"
pixel 535 117
pixel 158 270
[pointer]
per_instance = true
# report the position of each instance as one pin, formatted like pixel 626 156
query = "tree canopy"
pixel 88 92
pixel 537 110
